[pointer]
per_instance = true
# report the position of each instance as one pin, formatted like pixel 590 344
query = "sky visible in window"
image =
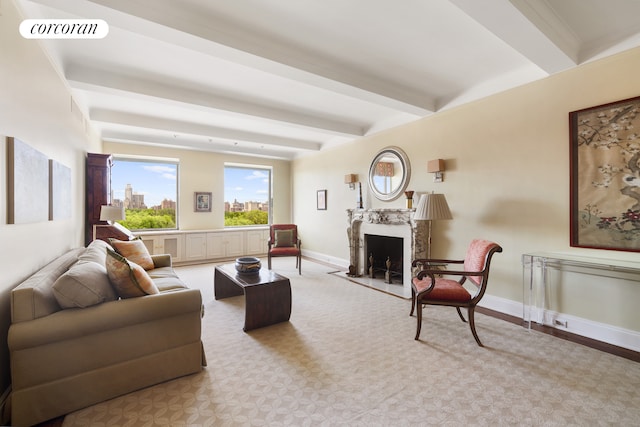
pixel 157 181
pixel 246 185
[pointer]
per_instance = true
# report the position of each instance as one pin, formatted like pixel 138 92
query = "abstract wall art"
pixel 59 191
pixel 27 183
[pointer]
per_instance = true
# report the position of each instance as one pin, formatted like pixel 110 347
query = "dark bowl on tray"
pixel 248 265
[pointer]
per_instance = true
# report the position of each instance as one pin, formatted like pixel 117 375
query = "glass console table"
pixel 535 267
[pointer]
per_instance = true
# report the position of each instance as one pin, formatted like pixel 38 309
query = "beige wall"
pixel 202 171
pixel 35 106
pixel 507 179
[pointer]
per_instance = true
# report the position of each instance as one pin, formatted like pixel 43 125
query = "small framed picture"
pixel 202 202
pixel 322 200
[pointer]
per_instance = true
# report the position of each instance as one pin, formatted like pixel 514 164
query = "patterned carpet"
pixel 348 358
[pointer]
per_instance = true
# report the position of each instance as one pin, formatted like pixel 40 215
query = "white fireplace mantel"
pixel 389 222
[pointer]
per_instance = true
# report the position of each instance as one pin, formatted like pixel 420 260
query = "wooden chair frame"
pixel 295 250
pixel 430 269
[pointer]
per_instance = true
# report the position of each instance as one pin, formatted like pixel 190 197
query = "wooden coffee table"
pixel 267 294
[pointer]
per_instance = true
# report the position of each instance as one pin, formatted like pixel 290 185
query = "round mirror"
pixel 389 173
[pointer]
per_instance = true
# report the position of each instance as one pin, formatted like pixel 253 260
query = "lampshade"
pixel 111 213
pixel 351 178
pixel 431 207
pixel 384 169
pixel 436 165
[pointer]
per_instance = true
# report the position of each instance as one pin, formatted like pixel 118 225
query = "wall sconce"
pixel 436 166
pixel 351 179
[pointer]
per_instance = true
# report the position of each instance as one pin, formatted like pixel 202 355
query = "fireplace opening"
pixel 384 257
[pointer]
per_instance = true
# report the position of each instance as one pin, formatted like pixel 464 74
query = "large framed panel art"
pixel 605 176
pixel 59 191
pixel 27 183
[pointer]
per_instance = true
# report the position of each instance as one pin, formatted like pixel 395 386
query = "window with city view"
pixel 148 190
pixel 247 193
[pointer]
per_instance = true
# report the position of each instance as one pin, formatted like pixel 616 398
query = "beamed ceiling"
pixel 284 78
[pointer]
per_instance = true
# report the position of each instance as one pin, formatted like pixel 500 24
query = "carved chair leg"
pixel 419 316
pixel 472 325
pixel 269 261
pixel 299 263
pixel 460 314
pixel 413 300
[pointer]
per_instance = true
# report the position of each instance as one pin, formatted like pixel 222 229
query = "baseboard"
pixel 326 259
pixel 603 332
pixel 503 305
pixel 5 410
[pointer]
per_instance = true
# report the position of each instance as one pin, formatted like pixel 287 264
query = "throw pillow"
pixel 284 238
pixel 129 279
pixel 135 251
pixel 95 252
pixel 83 285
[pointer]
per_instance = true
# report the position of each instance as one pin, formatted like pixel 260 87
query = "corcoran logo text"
pixel 64 28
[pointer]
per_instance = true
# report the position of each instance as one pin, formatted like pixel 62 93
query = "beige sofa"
pixel 64 359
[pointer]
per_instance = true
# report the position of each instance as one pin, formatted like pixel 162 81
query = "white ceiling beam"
pixel 523 28
pixel 181 127
pixel 197 144
pixel 96 80
pixel 162 20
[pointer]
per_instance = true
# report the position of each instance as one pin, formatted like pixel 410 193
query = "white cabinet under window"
pixel 207 245
pixel 195 246
pixel 164 244
pixel 225 244
pixel 256 242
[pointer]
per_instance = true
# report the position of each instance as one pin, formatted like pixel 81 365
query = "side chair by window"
pixel 284 241
pixel 432 285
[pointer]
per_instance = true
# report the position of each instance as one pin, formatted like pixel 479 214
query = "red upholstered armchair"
pixel 426 288
pixel 284 241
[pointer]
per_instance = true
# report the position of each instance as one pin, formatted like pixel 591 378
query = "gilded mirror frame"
pixel 390 165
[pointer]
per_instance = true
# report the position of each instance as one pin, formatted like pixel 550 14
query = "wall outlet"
pixel 558 322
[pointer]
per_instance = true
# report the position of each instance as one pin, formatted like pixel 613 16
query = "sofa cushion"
pixel 162 272
pixel 34 297
pixel 95 252
pixel 166 279
pixel 135 251
pixel 129 279
pixel 84 285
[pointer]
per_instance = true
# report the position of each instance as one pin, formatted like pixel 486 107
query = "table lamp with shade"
pixel 110 214
pixel 432 207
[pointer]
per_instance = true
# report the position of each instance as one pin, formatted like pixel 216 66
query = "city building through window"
pixel 247 195
pixel 148 190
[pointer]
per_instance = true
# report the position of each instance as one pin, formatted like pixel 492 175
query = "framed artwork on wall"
pixel 60 198
pixel 605 176
pixel 27 183
pixel 202 201
pixel 321 200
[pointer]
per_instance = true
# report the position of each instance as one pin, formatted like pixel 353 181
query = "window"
pixel 247 195
pixel 148 190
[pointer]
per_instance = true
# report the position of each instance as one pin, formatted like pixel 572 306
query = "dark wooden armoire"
pixel 98 193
